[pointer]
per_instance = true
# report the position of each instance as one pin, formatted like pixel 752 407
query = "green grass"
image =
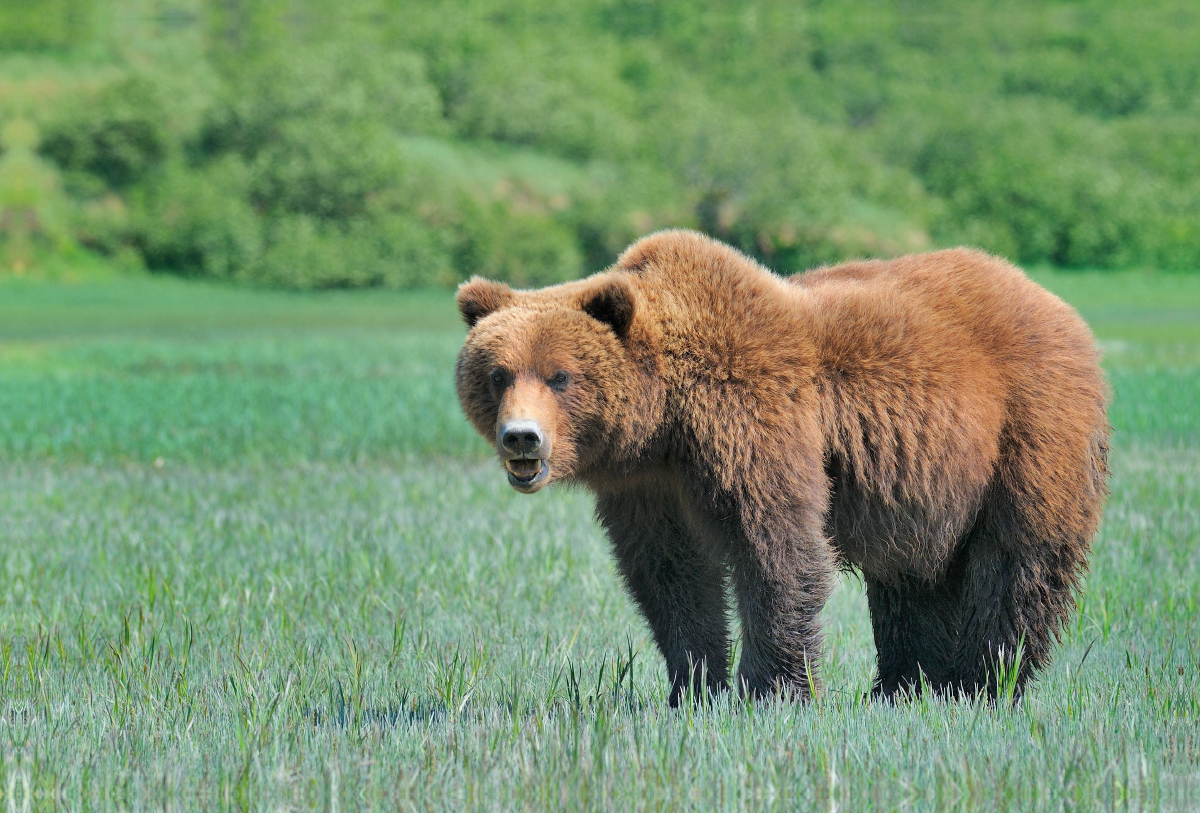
pixel 253 558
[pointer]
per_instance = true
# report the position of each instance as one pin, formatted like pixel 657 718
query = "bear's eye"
pixel 499 378
pixel 559 381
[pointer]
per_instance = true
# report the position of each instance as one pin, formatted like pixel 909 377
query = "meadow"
pixel 252 557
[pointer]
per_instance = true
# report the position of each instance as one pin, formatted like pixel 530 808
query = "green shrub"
pixel 404 251
pixel 389 250
pixel 308 144
pixel 611 212
pixel 199 221
pixel 303 253
pixel 527 249
pixel 118 134
pixel 34 212
pixel 319 168
pixel 1034 185
pixel 528 92
pixel 39 25
pixel 339 83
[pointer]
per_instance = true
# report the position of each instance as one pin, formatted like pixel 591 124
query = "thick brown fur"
pixel 936 422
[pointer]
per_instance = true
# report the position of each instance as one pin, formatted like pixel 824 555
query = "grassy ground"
pixel 252 557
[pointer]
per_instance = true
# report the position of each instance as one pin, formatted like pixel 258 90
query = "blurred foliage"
pixel 309 144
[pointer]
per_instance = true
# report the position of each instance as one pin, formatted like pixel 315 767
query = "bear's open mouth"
pixel 526 472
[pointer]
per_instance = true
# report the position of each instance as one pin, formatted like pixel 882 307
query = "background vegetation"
pixel 315 143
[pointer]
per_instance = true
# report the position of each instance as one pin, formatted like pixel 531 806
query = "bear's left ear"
pixel 613 304
pixel 477 297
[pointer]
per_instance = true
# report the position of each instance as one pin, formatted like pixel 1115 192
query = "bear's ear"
pixel 477 297
pixel 612 303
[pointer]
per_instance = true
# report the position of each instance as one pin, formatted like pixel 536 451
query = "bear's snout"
pixel 521 437
pixel 525 450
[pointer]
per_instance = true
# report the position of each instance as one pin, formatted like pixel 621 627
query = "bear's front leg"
pixel 678 584
pixel 783 574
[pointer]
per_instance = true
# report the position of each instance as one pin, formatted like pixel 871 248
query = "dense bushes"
pixel 117 135
pixel 531 142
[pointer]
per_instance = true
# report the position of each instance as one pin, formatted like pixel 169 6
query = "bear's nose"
pixel 521 437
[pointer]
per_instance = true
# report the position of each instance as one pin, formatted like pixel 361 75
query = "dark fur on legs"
pixel 915 625
pixel 1006 595
pixel 678 584
pixel 1025 556
pixel 779 607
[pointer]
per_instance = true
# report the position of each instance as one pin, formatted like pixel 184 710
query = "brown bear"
pixel 935 422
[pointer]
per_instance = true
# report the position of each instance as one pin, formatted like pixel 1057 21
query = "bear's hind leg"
pixel 1025 556
pixel 914 623
pixel 678 585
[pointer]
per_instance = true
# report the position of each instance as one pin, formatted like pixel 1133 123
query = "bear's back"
pixel 960 297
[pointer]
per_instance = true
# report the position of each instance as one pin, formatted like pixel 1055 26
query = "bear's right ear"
pixel 477 297
pixel 612 303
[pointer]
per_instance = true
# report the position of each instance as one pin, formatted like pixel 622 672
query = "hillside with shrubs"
pixel 362 143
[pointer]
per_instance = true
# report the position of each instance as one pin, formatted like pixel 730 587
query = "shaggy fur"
pixel 936 422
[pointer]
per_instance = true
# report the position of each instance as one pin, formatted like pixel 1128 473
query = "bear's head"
pixel 550 377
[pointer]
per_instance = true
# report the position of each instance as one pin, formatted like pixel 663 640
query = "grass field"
pixel 253 557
